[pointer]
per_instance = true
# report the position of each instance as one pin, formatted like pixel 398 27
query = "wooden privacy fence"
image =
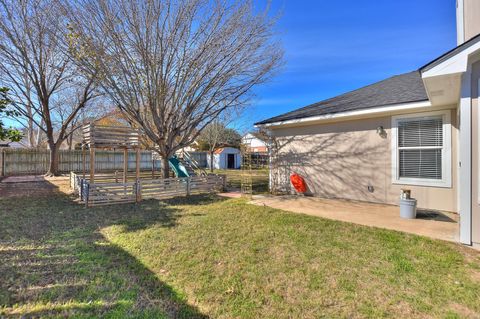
pixel 16 161
pixel 35 161
pixel 106 193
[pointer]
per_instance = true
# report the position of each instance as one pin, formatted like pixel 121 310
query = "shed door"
pixel 230 161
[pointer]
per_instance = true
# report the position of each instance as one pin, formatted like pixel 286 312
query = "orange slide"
pixel 298 183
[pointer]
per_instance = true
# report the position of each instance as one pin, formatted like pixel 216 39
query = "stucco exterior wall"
pixel 341 160
pixel 475 154
pixel 471 18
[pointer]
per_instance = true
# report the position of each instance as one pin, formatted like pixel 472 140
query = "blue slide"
pixel 177 167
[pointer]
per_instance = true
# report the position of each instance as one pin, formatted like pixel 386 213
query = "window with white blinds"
pixel 420 143
pixel 421 155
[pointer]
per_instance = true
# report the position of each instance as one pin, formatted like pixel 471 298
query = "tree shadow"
pixel 31 185
pixel 333 166
pixel 197 200
pixel 351 161
pixel 56 262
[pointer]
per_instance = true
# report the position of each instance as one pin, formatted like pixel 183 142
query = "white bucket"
pixel 408 208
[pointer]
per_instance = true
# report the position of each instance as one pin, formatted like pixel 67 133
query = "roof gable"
pixel 450 54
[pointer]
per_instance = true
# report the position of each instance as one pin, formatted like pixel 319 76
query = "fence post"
pixel 188 185
pixel 125 164
pixel 2 162
pixel 138 191
pixel 153 167
pixel 224 182
pixel 81 189
pixel 87 193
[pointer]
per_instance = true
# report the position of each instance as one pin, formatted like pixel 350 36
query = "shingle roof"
pixel 398 89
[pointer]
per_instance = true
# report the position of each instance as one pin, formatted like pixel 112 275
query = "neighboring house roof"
pixel 399 89
pixel 450 53
pixel 248 136
pixel 227 148
pixel 12 144
pixel 253 138
pixel 259 136
pixel 258 149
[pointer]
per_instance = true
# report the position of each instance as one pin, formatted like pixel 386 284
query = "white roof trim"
pixel 351 114
pixel 455 64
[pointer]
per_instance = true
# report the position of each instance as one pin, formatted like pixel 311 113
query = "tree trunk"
pixel 39 135
pixel 165 167
pixel 211 161
pixel 70 142
pixel 31 134
pixel 53 166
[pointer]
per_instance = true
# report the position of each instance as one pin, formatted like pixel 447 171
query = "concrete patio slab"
pixel 438 225
pixel 230 194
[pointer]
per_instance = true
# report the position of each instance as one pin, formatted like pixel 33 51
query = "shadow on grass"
pixel 55 262
pixel 196 200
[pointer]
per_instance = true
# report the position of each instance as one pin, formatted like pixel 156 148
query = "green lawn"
pixel 210 257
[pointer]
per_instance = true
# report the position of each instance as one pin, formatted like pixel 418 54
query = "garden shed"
pixel 226 158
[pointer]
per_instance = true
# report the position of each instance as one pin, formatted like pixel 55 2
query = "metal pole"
pixel 153 167
pixel 2 166
pixel 92 165
pixel 84 164
pixel 139 185
pixel 137 163
pixel 125 164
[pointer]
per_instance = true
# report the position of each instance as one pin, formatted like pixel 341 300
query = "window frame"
pixel 446 181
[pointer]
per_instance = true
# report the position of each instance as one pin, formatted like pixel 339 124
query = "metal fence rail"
pixel 103 193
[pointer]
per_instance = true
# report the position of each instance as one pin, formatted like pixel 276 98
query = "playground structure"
pixel 104 189
pixel 184 165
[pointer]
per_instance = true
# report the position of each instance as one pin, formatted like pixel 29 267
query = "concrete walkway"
pixel 438 225
pixel 231 194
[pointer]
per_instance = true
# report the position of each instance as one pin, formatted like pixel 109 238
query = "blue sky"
pixel 332 47
pixel 335 46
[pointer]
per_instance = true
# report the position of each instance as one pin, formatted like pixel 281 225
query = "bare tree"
pixel 174 66
pixel 38 67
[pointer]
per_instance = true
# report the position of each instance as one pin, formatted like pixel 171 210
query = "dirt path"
pixel 20 186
